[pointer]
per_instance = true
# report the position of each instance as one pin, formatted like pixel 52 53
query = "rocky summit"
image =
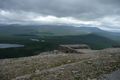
pixel 57 65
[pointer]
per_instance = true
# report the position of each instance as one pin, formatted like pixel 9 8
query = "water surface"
pixel 10 45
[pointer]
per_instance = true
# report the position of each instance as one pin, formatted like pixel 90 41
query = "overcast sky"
pixel 104 14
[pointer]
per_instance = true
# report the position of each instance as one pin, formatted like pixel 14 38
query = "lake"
pixel 10 45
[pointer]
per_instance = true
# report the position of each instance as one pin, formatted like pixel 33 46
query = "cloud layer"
pixel 100 13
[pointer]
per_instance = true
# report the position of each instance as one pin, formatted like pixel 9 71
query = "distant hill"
pixel 54 30
pixel 40 30
pixel 111 35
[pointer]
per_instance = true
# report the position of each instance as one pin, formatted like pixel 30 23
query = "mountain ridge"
pixel 56 30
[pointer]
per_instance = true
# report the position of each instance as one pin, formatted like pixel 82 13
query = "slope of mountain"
pixel 62 66
pixel 108 34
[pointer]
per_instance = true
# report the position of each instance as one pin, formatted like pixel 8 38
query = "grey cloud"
pixel 103 11
pixel 84 9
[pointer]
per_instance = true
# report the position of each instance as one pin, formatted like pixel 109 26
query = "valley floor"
pixel 62 66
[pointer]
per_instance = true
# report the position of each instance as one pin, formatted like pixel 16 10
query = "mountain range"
pixel 55 30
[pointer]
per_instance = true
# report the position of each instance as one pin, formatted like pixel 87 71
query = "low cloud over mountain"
pixel 104 14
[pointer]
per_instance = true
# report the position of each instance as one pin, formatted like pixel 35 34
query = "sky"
pixel 104 14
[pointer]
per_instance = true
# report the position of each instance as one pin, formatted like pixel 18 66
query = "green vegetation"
pixel 50 36
pixel 48 43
